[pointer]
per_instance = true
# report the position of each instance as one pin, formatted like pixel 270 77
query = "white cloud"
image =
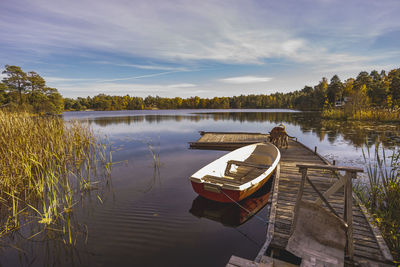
pixel 246 79
pixel 181 85
pixel 163 89
pixel 88 80
pixel 137 89
pixel 145 67
pixel 236 32
pixel 67 80
pixel 311 38
pixel 138 77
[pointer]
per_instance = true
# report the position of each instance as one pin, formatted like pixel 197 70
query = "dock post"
pixel 334 162
pixel 348 213
pixel 315 149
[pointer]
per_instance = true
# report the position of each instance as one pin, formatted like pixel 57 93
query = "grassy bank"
pixel 46 166
pixel 369 114
pixel 381 195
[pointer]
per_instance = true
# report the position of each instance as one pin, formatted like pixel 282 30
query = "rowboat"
pixel 237 174
pixel 230 214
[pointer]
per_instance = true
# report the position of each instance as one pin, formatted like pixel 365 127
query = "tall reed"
pixel 46 166
pixel 365 114
pixel 381 194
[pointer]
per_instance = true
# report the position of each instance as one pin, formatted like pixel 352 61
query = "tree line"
pixel 366 90
pixel 375 89
pixel 28 91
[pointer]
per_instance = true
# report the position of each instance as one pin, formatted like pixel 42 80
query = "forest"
pixel 28 91
pixel 381 90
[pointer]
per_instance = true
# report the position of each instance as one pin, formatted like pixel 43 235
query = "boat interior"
pixel 240 172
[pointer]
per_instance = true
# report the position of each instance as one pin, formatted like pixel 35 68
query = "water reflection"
pixel 356 133
pixel 34 245
pixel 128 120
pixel 147 212
pixel 231 214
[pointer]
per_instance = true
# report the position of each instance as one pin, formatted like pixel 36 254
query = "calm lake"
pixel 152 217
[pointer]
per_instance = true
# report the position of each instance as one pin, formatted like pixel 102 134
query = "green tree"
pixel 3 94
pixel 348 87
pixel 320 92
pixel 55 101
pixel 150 102
pixel 394 77
pixel 378 89
pixel 136 103
pixel 16 80
pixel 362 79
pixel 335 90
pixel 361 87
pixel 68 103
pixel 35 81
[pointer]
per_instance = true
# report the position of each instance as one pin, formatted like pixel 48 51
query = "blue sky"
pixel 206 48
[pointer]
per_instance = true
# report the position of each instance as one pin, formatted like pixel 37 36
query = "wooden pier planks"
pixel 366 245
pixel 370 248
pixel 227 140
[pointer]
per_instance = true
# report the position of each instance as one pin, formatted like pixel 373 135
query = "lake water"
pixel 152 217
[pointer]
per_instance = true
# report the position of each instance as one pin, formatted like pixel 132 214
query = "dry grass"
pixel 367 114
pixel 381 194
pixel 46 165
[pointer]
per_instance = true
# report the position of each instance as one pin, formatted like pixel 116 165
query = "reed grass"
pixel 46 166
pixel 381 194
pixel 367 114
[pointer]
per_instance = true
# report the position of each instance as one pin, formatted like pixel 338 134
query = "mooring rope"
pixel 249 212
pixel 248 237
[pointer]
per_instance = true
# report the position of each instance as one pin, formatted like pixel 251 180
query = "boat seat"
pixel 243 163
pixel 224 179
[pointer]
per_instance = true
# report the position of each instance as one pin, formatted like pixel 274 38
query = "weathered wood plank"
pixel 369 245
pixel 272 216
pixel 333 189
pixel 365 245
pixel 378 236
pixel 331 167
pixel 240 262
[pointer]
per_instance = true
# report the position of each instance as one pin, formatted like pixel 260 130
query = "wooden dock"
pixel 227 140
pixel 368 245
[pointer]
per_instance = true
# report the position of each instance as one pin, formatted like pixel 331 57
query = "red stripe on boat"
pixel 221 197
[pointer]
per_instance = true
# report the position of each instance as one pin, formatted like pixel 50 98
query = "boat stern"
pixel 215 192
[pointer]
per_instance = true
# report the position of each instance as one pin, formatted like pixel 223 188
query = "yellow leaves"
pixel 46 220
pixel 68 210
pixel 389 101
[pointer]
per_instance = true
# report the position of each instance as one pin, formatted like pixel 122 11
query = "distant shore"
pixel 367 114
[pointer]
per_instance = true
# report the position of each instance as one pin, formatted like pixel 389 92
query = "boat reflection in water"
pixel 231 214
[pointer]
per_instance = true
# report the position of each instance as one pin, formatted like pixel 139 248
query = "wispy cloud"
pixel 181 85
pixel 246 79
pixel 137 89
pixel 118 42
pixel 92 80
pixel 144 67
pixel 138 77
pixel 177 31
pixel 67 80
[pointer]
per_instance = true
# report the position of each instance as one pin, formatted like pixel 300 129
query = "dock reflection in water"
pixel 231 214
